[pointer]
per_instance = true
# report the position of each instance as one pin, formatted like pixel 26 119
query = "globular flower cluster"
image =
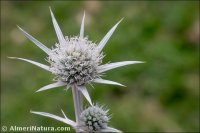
pixel 76 61
pixel 94 118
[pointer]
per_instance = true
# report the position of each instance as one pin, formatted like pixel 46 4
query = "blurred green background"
pixel 161 95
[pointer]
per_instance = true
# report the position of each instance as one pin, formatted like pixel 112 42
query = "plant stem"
pixel 80 100
pixel 77 103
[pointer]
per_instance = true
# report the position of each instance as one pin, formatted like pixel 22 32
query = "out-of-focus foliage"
pixel 161 95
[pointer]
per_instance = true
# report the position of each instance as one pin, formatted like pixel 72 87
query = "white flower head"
pixel 76 60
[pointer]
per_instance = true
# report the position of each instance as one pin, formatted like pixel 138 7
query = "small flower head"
pixel 94 118
pixel 76 61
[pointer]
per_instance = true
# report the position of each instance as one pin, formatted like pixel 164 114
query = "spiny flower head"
pixel 94 118
pixel 76 62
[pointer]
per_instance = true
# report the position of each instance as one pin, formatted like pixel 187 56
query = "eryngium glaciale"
pixel 92 119
pixel 76 60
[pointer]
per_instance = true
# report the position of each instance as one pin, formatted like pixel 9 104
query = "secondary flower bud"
pixel 94 118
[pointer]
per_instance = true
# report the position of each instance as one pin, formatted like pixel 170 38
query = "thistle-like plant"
pixel 75 61
pixel 92 119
